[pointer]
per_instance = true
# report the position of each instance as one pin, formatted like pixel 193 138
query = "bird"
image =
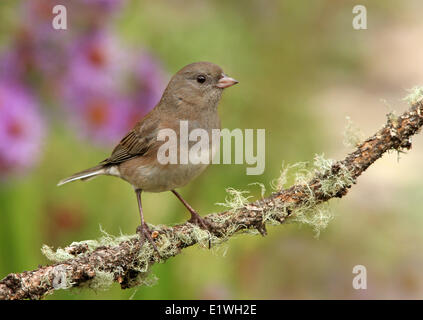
pixel 191 98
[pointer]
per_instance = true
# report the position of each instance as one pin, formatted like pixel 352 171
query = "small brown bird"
pixel 191 96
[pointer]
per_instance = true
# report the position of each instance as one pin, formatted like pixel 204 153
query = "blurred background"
pixel 67 96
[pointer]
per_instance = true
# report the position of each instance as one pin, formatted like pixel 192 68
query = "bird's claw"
pixel 201 222
pixel 145 233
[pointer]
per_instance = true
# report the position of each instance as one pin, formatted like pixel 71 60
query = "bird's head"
pixel 199 84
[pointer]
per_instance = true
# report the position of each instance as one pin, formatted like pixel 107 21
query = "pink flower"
pixel 103 118
pixel 106 90
pixel 149 83
pixel 21 129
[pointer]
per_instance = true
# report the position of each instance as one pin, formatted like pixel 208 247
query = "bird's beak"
pixel 226 82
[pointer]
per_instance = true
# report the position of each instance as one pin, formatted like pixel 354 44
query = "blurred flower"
pixel 148 84
pixel 37 38
pixel 97 64
pixel 104 117
pixel 38 46
pixel 21 129
pixel 12 66
pixel 106 89
pixel 93 91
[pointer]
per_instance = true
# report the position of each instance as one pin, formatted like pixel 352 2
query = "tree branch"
pixel 99 263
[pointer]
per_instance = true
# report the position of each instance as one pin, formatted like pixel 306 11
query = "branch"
pixel 99 263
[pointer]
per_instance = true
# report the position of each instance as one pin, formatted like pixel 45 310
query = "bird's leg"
pixel 195 217
pixel 143 230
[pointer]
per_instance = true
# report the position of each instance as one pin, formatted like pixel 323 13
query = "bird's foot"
pixel 200 222
pixel 145 233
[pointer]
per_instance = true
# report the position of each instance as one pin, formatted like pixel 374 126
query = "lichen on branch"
pixel 98 263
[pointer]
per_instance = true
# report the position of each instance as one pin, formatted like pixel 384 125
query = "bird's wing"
pixel 136 143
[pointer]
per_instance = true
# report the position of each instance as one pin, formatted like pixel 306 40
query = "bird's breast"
pixel 157 177
pixel 193 154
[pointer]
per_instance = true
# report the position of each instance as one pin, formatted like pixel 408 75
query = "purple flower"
pixel 103 117
pixel 21 129
pixel 107 90
pixel 148 85
pixel 97 64
pixel 48 48
pixel 12 67
pixel 94 88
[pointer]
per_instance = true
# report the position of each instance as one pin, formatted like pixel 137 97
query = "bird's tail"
pixel 85 175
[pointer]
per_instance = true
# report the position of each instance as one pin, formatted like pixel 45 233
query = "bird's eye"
pixel 201 79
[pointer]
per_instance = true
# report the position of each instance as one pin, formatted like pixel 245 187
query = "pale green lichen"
pixel 106 240
pixel 279 183
pixel 317 217
pixel 353 136
pixel 166 247
pixel 201 236
pixel 221 218
pixel 331 184
pixel 302 173
pixel 194 234
pixel 262 187
pixel 309 211
pixel 144 258
pixel 59 255
pixel 235 199
pixel 415 95
pixel 101 281
pixel 321 164
pixel 185 238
